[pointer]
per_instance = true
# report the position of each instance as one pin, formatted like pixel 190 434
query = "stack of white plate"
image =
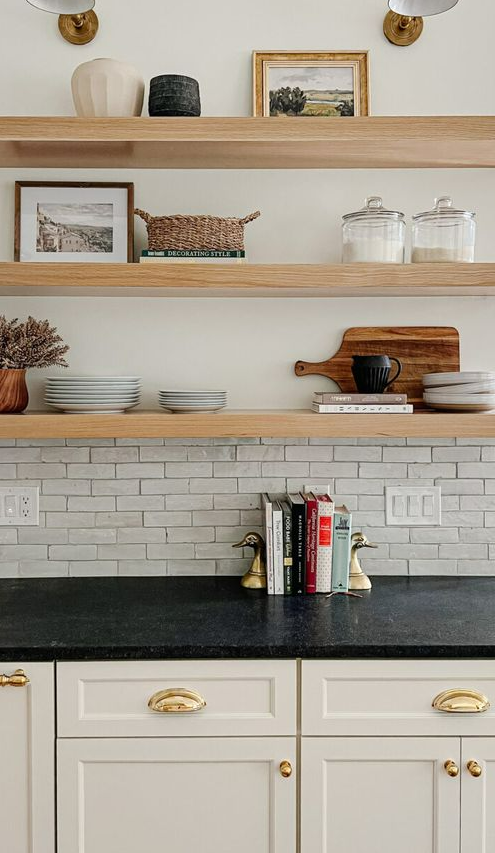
pixel 192 401
pixel 460 392
pixel 92 394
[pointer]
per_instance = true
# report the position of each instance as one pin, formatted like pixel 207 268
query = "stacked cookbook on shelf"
pixel 308 544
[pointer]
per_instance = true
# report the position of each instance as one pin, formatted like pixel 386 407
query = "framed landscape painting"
pixel 74 222
pixel 310 84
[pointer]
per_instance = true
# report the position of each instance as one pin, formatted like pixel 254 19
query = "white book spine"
pixel 337 409
pixel 325 546
pixel 270 580
pixel 278 550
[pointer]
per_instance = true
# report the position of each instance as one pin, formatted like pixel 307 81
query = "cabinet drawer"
pixel 111 699
pixel 393 697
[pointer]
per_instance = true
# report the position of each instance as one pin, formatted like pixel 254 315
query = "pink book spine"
pixel 311 542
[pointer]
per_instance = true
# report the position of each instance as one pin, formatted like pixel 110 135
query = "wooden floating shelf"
pixel 256 280
pixel 299 423
pixel 416 142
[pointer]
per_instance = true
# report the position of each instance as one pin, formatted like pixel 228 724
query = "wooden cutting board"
pixel 420 349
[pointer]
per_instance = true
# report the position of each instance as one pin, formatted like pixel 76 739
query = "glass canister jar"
pixel 444 234
pixel 374 234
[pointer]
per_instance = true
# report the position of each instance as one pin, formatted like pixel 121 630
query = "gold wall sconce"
pixel 403 24
pixel 77 22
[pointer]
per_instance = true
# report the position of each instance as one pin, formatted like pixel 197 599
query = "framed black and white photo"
pixel 74 222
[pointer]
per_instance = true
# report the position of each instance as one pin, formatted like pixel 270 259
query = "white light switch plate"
pixel 410 506
pixel 19 507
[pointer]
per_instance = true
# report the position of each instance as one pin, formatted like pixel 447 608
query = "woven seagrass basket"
pixel 195 232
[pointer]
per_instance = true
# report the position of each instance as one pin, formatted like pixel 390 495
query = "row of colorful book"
pixel 308 544
pixel 192 256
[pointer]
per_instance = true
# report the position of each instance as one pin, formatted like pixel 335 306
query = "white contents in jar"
pixel 441 255
pixel 378 251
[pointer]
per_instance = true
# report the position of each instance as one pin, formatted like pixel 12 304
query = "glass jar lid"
pixel 444 207
pixel 374 209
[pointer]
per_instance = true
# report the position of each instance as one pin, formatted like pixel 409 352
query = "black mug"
pixel 371 372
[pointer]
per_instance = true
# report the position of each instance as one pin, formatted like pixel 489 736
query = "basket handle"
pixel 146 216
pixel 250 217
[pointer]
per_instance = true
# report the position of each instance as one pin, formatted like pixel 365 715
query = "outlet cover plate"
pixel 19 507
pixel 413 506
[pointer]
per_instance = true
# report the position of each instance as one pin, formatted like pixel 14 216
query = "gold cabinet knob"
pixel 285 769
pixel 17 679
pixel 177 700
pixel 451 768
pixel 475 769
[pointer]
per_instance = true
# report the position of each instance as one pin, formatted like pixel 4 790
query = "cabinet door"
pixel 379 795
pixel 27 765
pixel 213 795
pixel 478 796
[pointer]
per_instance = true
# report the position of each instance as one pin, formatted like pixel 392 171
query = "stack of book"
pixel 328 403
pixel 192 256
pixel 308 544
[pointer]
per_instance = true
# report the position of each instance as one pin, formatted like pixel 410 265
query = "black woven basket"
pixel 174 95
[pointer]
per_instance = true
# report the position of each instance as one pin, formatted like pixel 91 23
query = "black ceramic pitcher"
pixel 372 372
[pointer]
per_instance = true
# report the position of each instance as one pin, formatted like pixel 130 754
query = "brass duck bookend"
pixel 255 578
pixel 357 578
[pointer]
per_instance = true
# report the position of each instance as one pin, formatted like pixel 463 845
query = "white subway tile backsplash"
pixel 141 535
pixel 65 454
pixel 114 454
pixel 93 568
pixel 92 536
pixel 119 519
pixel 177 506
pixel 91 504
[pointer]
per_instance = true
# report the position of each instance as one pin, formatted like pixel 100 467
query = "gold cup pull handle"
pixel 475 769
pixel 17 679
pixel 176 700
pixel 461 700
pixel 285 769
pixel 451 768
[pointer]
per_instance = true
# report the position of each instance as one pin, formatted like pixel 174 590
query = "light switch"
pixel 409 506
pixel 19 507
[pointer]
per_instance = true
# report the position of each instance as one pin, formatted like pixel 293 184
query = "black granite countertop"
pixel 191 617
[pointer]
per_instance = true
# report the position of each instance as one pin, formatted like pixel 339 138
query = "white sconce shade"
pixel 421 8
pixel 63 7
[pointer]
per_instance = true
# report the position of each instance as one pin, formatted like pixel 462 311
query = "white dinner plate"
pixel 461 378
pixel 93 379
pixel 193 409
pixel 182 391
pixel 92 407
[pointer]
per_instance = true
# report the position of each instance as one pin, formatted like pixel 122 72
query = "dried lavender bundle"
pixel 31 344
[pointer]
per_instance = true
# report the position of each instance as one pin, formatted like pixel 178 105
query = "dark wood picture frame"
pixel 129 186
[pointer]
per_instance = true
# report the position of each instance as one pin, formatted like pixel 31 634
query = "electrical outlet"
pixel 19 507
pixel 411 506
pixel 317 488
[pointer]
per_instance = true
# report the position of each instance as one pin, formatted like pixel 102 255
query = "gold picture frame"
pixel 350 70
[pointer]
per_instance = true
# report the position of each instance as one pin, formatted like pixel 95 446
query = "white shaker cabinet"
pixel 27 765
pixel 380 795
pixel 478 795
pixel 214 795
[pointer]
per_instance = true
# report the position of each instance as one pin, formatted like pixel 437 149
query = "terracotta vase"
pixel 107 87
pixel 14 395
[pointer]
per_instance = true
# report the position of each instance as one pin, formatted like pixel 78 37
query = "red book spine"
pixel 311 544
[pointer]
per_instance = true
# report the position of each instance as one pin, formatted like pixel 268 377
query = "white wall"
pixel 249 346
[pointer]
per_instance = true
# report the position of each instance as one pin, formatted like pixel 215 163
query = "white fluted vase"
pixel 107 87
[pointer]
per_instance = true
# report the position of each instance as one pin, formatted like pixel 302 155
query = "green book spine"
pixel 341 557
